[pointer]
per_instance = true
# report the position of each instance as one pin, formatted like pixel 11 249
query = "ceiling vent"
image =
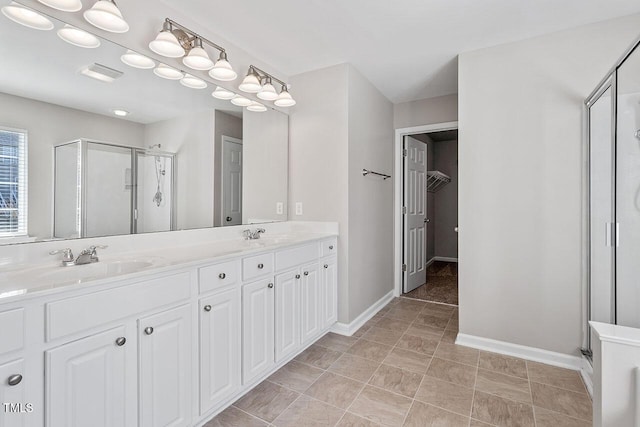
pixel 101 72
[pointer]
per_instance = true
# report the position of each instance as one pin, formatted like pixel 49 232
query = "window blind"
pixel 13 183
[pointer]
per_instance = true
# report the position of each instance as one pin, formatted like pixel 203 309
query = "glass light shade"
pixel 63 5
pixel 167 72
pixel 198 59
pixel 222 93
pixel 268 92
pixel 250 84
pixel 193 82
pixel 27 17
pixel 166 44
pixel 256 107
pixel 223 71
pixel 135 60
pixel 285 99
pixel 78 37
pixel 241 101
pixel 105 15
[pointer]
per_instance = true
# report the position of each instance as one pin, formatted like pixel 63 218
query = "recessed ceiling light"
pixel 27 17
pixel 63 5
pixel 101 72
pixel 167 72
pixel 134 59
pixel 78 37
pixel 120 113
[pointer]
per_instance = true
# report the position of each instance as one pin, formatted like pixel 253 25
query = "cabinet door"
pixel 329 292
pixel 219 347
pixel 15 410
pixel 257 329
pixel 310 306
pixel 287 334
pixel 92 381
pixel 165 368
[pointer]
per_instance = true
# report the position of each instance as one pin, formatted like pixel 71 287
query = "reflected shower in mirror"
pixel 93 146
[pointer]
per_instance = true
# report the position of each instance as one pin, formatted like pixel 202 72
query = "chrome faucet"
pixel 252 235
pixel 87 256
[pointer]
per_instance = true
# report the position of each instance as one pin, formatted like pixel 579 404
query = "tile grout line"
pixel 533 408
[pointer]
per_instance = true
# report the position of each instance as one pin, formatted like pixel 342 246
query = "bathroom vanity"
pixel 163 337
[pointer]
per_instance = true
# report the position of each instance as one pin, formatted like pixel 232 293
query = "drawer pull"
pixel 14 379
pixel 330 247
pixel 326 266
pixel 207 307
pixel 297 276
pixel 306 273
pixel 121 341
pixel 222 276
pixel 261 266
pixel 148 330
pixel 270 285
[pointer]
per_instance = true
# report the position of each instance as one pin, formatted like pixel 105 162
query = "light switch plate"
pixel 279 208
pixel 298 208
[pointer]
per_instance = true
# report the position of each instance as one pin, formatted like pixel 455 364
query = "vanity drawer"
pixel 328 247
pixel 72 315
pixel 295 256
pixel 12 330
pixel 216 276
pixel 256 266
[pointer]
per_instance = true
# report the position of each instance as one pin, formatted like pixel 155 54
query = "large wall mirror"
pixel 90 146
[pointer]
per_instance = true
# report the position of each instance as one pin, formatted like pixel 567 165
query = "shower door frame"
pixel 610 80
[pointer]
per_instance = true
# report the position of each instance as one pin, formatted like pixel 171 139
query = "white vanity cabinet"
pixel 287 333
pixel 13 391
pixel 310 303
pixel 257 328
pixel 329 291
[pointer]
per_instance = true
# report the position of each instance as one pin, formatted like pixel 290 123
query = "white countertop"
pixel 21 280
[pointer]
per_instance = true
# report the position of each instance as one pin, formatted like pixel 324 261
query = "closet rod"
pixel 366 172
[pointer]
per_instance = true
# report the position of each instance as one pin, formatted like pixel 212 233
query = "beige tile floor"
pixel 402 368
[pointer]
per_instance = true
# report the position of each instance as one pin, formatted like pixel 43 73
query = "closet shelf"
pixel 436 180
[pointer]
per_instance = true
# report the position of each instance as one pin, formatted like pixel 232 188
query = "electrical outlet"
pixel 279 208
pixel 298 208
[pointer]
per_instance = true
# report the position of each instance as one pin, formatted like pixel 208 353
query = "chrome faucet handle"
pixel 246 234
pixel 261 230
pixel 67 254
pixel 91 250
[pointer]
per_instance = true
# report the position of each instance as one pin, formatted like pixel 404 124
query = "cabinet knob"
pixel 270 285
pixel 326 266
pixel 207 307
pixel 297 276
pixel 121 341
pixel 261 266
pixel 306 273
pixel 148 330
pixel 330 247
pixel 14 379
pixel 222 275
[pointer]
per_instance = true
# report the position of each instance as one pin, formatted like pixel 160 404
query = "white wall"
pixel 428 111
pixel 49 125
pixel 520 161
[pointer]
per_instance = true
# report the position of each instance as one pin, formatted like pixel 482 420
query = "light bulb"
pixel 222 93
pixel 105 15
pixel 78 37
pixel 167 72
pixel 63 5
pixel 27 17
pixel 134 59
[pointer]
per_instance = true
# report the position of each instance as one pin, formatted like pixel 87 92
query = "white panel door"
pixel 310 306
pixel 287 336
pixel 13 396
pixel 257 329
pixel 165 368
pixel 92 381
pixel 219 347
pixel 329 292
pixel 415 202
pixel 231 181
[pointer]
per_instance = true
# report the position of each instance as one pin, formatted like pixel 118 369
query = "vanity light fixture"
pixel 27 17
pixel 256 107
pixel 268 92
pixel 167 72
pixel 285 99
pixel 135 60
pixel 251 83
pixel 193 82
pixel 241 101
pixel 78 37
pixel 222 93
pixel 175 41
pixel 120 113
pixel 104 14
pixel 63 5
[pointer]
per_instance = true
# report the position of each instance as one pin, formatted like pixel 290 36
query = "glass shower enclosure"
pixel 105 189
pixel 613 197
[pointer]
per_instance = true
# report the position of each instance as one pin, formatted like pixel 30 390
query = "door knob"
pixel 261 266
pixel 121 341
pixel 222 275
pixel 207 307
pixel 14 379
pixel 326 266
pixel 148 330
pixel 306 273
pixel 426 220
pixel 297 276
pixel 229 219
pixel 270 285
pixel 331 247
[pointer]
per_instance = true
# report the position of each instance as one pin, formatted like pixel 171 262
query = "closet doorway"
pixel 426 229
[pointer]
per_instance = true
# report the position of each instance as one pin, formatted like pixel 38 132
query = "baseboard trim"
pixel 586 371
pixel 349 329
pixel 529 353
pixel 443 258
